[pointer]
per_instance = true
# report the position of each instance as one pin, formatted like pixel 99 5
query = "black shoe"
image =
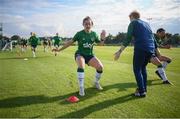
pixel 138 94
pixel 143 94
pixel 167 82
pixel 158 74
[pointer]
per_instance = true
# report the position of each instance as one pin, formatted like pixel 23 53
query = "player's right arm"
pixel 69 43
pixel 66 45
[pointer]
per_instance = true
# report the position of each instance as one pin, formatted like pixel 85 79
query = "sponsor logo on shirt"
pixel 87 45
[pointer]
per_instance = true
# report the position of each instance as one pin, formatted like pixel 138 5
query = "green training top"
pixel 158 40
pixel 86 42
pixel 57 40
pixel 34 40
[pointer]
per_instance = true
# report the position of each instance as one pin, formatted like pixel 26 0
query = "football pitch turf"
pixel 38 87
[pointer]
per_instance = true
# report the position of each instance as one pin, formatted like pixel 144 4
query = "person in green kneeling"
pixel 86 39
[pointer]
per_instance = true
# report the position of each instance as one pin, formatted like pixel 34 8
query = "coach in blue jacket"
pixel 143 50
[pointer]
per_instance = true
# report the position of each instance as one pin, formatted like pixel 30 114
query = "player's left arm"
pixel 165 44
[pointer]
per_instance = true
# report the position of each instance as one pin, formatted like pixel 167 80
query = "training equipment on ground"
pixel 73 99
pixel 25 58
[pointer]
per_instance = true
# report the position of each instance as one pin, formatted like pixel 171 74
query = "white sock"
pixel 81 79
pixel 34 54
pixel 164 64
pixel 97 77
pixel 162 73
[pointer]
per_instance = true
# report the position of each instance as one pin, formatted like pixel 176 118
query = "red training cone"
pixel 73 99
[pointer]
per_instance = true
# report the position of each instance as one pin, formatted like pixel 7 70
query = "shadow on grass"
pixel 98 106
pixel 154 82
pixel 38 116
pixel 41 99
pixel 92 92
pixel 38 99
pixel 107 103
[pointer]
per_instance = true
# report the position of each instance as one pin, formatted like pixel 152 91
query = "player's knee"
pixel 169 61
pixel 99 68
pixel 99 71
pixel 152 59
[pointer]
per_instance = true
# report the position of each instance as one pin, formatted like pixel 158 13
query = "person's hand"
pixel 103 35
pixel 117 55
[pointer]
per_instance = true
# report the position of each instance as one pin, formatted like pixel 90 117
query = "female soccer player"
pixel 45 43
pixel 34 42
pixel 57 41
pixel 84 55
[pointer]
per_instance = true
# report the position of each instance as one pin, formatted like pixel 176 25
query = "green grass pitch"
pixel 40 86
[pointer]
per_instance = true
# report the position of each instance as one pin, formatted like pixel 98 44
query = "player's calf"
pixel 80 72
pixel 97 78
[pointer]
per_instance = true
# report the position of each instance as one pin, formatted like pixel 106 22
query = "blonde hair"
pixel 87 18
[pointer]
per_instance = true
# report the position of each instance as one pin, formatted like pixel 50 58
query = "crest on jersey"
pixel 93 39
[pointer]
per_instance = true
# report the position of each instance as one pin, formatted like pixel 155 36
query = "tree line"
pixel 172 39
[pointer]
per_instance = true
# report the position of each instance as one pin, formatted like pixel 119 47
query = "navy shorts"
pixel 56 45
pixel 45 43
pixel 33 46
pixel 87 58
